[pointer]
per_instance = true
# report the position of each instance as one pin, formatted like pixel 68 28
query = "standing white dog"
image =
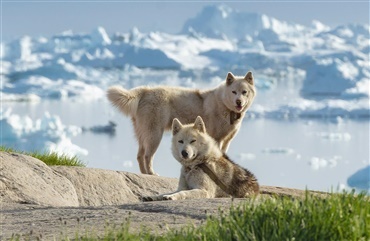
pixel 206 172
pixel 153 109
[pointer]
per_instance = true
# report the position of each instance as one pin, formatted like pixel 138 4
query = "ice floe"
pixel 334 61
pixel 360 179
pixel 45 134
pixel 317 163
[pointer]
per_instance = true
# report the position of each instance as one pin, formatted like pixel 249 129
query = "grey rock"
pixel 24 179
pixel 39 202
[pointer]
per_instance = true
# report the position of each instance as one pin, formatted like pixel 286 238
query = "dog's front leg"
pixel 188 194
pixel 224 145
pixel 156 198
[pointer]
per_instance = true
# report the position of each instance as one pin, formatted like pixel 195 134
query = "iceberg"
pixel 317 163
pixel 216 21
pixel 332 62
pixel 360 179
pixel 303 108
pixel 46 134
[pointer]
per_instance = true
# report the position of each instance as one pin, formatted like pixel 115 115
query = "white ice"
pixel 45 134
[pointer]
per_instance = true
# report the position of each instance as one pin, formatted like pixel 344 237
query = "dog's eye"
pixel 192 141
pixel 234 92
pixel 244 92
pixel 181 141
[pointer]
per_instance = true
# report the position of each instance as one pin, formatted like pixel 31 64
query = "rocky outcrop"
pixel 39 202
pixel 24 179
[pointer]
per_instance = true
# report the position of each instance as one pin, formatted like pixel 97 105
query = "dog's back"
pixel 152 110
pixel 241 182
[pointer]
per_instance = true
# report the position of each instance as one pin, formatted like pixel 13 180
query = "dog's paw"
pixel 147 199
pixel 153 173
pixel 169 197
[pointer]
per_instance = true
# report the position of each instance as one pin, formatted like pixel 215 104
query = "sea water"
pixel 318 154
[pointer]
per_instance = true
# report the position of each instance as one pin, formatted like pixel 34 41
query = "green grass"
pixel 336 217
pixel 51 159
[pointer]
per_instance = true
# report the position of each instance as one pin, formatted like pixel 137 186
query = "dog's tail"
pixel 125 100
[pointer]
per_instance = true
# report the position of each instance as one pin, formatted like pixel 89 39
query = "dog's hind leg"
pixel 141 152
pixel 151 145
pixel 140 158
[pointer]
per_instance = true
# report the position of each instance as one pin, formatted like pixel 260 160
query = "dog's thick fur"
pixel 153 109
pixel 193 147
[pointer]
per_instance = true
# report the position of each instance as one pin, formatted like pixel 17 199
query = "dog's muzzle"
pixel 185 154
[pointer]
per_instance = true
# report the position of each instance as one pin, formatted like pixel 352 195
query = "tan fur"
pixel 193 147
pixel 153 109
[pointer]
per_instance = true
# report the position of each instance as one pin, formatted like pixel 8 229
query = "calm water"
pixel 297 154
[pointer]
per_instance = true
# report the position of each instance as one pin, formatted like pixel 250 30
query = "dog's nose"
pixel 184 154
pixel 238 102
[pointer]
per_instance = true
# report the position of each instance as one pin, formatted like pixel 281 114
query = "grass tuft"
pixel 49 158
pixel 343 216
pixel 336 217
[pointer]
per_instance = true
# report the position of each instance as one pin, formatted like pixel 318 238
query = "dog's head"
pixel 190 143
pixel 239 92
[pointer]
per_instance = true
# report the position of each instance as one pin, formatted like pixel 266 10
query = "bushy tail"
pixel 123 99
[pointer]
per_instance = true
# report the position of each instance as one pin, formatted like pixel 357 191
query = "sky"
pixel 48 17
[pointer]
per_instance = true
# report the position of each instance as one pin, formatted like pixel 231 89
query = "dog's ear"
pixel 249 78
pixel 230 78
pixel 199 125
pixel 176 126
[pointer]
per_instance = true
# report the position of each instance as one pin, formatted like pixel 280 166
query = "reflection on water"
pixel 314 154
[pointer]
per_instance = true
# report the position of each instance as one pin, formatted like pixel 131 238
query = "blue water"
pixel 278 152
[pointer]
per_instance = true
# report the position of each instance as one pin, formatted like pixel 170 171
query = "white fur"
pixel 153 109
pixel 192 146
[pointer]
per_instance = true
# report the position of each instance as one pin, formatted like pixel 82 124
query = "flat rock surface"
pixel 48 223
pixel 55 203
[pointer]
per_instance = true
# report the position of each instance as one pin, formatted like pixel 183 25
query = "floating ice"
pixel 335 136
pixel 302 108
pixel 278 150
pixel 100 37
pixel 360 179
pixel 110 128
pixel 47 133
pixel 317 163
pixel 333 63
pixel 330 76
pixel 247 156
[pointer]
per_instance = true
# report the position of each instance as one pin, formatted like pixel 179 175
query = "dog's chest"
pixel 231 118
pixel 195 176
pixel 224 124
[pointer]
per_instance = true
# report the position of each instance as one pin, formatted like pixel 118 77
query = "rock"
pixel 24 179
pixel 39 202
pixel 32 222
pixel 96 187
